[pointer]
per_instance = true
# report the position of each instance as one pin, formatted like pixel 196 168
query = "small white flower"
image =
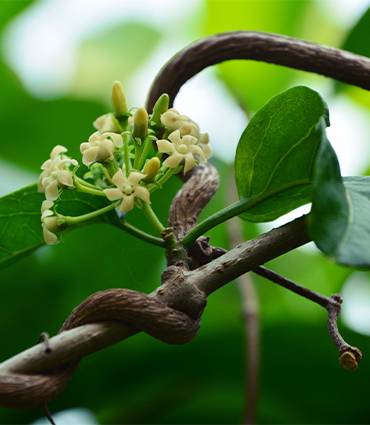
pixel 173 120
pixel 203 142
pixel 128 188
pixel 106 123
pixel 182 149
pixel 189 127
pixel 49 223
pixel 55 172
pixel 100 147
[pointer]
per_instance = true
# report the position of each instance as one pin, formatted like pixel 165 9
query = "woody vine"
pixel 283 160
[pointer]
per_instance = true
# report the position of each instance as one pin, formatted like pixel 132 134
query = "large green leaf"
pixel 20 227
pixel 276 153
pixel 339 221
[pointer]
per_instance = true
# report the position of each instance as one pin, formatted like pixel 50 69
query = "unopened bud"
pixel 350 358
pixel 119 99
pixel 140 123
pixel 160 107
pixel 151 169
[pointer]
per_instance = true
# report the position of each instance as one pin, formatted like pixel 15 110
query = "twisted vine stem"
pixel 172 313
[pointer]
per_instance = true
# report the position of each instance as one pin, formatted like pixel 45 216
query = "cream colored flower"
pixel 173 120
pixel 203 142
pixel 128 188
pixel 55 172
pixel 100 147
pixel 49 223
pixel 106 123
pixel 189 127
pixel 181 150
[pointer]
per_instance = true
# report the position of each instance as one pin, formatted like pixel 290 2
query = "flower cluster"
pixel 56 173
pixel 186 144
pixel 130 155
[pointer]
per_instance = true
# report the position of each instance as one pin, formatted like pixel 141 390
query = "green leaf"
pixel 276 153
pixel 357 41
pixel 20 226
pixel 339 221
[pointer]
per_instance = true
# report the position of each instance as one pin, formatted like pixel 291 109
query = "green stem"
pixel 213 220
pixel 152 217
pixel 162 180
pixel 144 153
pixel 140 234
pixel 126 138
pixel 107 175
pixel 87 189
pixel 138 150
pixel 81 218
pixel 232 210
pixel 111 166
pixel 84 183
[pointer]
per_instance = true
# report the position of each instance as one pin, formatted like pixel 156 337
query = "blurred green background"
pixel 58 59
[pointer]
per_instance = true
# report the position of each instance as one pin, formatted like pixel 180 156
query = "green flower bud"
pixel 140 123
pixel 151 169
pixel 161 106
pixel 119 99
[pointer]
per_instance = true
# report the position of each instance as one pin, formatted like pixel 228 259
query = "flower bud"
pixel 140 123
pixel 151 169
pixel 350 358
pixel 160 107
pixel 119 99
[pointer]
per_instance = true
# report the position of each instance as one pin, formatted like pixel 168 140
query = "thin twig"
pixel 274 277
pixel 349 356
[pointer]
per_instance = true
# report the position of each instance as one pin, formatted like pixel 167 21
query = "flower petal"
pixel 119 178
pixel 175 136
pixel 51 191
pixel 189 128
pixel 142 193
pixel 197 150
pixel 46 213
pixel 84 146
pixel 49 237
pixel 113 194
pixel 57 150
pixel 171 119
pixel 203 138
pixel 46 205
pixel 127 203
pixel 164 146
pixel 116 139
pixel 207 151
pixel 134 177
pixel 189 162
pixel 65 177
pixel 96 137
pixel 105 123
pixel 189 140
pixel 90 155
pixel 173 161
